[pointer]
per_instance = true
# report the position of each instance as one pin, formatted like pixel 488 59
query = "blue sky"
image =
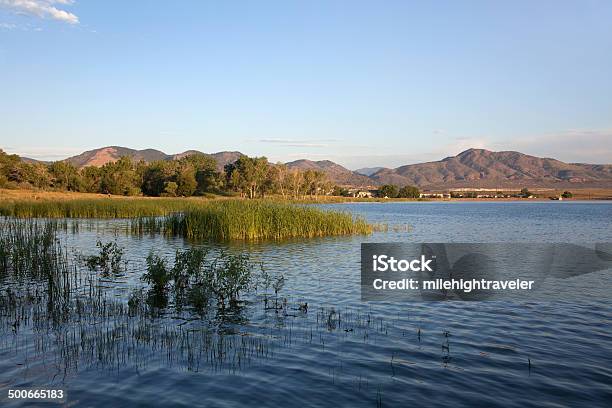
pixel 362 83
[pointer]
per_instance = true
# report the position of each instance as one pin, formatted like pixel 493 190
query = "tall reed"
pixel 220 220
pixel 94 208
pixel 258 220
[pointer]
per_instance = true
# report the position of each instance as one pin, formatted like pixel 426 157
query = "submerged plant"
pixel 194 279
pixel 108 260
pixel 157 273
pixel 231 275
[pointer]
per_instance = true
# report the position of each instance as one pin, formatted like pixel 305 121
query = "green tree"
pixel 388 190
pixel 39 175
pixel 170 189
pixel 276 180
pixel 409 192
pixel 567 194
pixel 154 178
pixel 186 180
pixel 8 164
pixel 65 176
pixel 91 177
pixel 313 181
pixel 206 175
pixel 296 179
pixel 120 178
pixel 248 175
pixel 15 172
pixel 340 191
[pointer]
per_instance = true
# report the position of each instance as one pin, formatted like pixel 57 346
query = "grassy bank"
pixel 253 220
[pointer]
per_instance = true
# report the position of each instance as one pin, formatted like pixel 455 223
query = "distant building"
pixel 364 194
pixel 434 195
pixel 357 193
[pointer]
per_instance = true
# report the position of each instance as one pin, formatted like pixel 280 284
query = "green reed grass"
pixel 220 220
pixel 255 220
pixel 94 208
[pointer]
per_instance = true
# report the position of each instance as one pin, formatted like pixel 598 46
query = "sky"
pixel 361 83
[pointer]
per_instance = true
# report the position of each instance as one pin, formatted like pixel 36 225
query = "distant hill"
pixel 335 172
pixel 224 158
pixel 471 168
pixel 484 168
pixel 33 161
pixel 368 171
pixel 101 156
pixel 186 153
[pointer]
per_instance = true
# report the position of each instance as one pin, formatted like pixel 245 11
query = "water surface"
pixel 343 351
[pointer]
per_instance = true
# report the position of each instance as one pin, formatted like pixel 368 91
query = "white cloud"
pixel 42 9
pixel 7 26
pixel 44 153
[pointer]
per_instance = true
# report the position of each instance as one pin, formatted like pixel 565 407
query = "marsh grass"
pixel 44 290
pixel 58 318
pixel 218 220
pixel 253 220
pixel 95 207
pixel 90 328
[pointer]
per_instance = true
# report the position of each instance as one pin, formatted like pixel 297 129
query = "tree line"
pixel 195 174
pixel 393 191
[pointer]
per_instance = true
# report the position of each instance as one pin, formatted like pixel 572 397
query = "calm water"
pixel 345 352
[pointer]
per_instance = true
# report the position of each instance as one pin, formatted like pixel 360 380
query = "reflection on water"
pixel 337 349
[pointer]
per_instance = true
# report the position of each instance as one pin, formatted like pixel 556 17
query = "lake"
pixel 341 351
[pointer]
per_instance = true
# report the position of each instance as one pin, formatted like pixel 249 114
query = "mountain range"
pixel 335 172
pixel 472 168
pixel 368 171
pixel 99 157
pixel 485 168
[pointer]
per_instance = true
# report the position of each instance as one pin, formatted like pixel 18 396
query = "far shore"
pixel 578 195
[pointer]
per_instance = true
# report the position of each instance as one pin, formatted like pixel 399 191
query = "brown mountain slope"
pixel 471 168
pixel 336 173
pixel 99 157
pixel 484 168
pixel 33 161
pixel 224 158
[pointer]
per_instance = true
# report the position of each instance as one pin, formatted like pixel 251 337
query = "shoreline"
pixel 33 195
